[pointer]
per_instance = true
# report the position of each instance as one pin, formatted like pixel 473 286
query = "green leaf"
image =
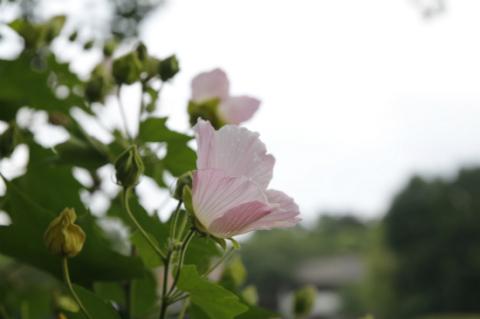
pixel 200 253
pixel 16 88
pixel 155 130
pixel 144 296
pixel 214 300
pixel 148 255
pixel 96 307
pixel 179 159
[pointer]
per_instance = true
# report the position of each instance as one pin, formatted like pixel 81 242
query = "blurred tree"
pixel 286 249
pixel 433 230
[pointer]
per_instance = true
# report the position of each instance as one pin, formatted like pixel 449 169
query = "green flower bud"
pixel 129 167
pixel 184 180
pixel 88 45
pixel 99 85
pixel 150 67
pixel 303 301
pixel 142 52
pixel 8 140
pixel 63 237
pixel 127 69
pixel 73 36
pixel 109 47
pixel 207 110
pixel 168 68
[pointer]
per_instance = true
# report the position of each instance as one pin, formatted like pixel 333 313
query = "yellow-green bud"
pixel 53 27
pixel 109 47
pixel 63 237
pixel 129 167
pixel 303 301
pixel 8 140
pixel 184 180
pixel 127 68
pixel 207 110
pixel 168 68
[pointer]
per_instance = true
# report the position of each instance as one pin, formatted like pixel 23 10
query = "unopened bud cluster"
pixel 129 167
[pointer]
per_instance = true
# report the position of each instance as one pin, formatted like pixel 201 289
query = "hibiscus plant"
pixel 215 174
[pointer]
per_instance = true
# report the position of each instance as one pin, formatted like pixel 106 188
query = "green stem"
pixel 138 226
pixel 181 315
pixel 225 257
pixel 174 226
pixel 164 304
pixel 183 250
pixel 66 276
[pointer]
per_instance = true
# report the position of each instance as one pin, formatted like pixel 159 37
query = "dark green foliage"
pixel 433 230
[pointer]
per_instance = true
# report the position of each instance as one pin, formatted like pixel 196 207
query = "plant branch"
pixel 183 250
pixel 145 235
pixel 66 276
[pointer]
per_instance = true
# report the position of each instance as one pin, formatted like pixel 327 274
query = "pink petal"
pixel 235 150
pixel 238 219
pixel 284 213
pixel 214 194
pixel 210 85
pixel 238 109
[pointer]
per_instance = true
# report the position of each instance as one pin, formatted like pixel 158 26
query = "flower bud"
pixel 127 69
pixel 168 68
pixel 88 45
pixel 207 110
pixel 99 84
pixel 142 52
pixel 73 36
pixel 303 301
pixel 184 180
pixel 250 295
pixel 8 140
pixel 109 47
pixel 129 167
pixel 63 237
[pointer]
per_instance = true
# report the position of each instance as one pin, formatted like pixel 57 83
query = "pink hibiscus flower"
pixel 229 190
pixel 215 85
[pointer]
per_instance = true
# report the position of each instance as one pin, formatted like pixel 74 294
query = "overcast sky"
pixel 358 95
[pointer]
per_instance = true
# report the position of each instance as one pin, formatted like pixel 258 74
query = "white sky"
pixel 357 95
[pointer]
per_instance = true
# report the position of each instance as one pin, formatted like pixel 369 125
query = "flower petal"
pixel 210 85
pixel 238 219
pixel 238 109
pixel 214 194
pixel 284 212
pixel 235 150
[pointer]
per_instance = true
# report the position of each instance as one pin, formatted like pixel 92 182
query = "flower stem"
pixel 224 258
pixel 164 303
pixel 181 315
pixel 66 276
pixel 175 220
pixel 138 226
pixel 183 250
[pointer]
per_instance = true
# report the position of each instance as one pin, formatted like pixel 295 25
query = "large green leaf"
pixel 31 86
pixel 33 200
pixel 216 302
pixel 156 130
pixel 179 159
